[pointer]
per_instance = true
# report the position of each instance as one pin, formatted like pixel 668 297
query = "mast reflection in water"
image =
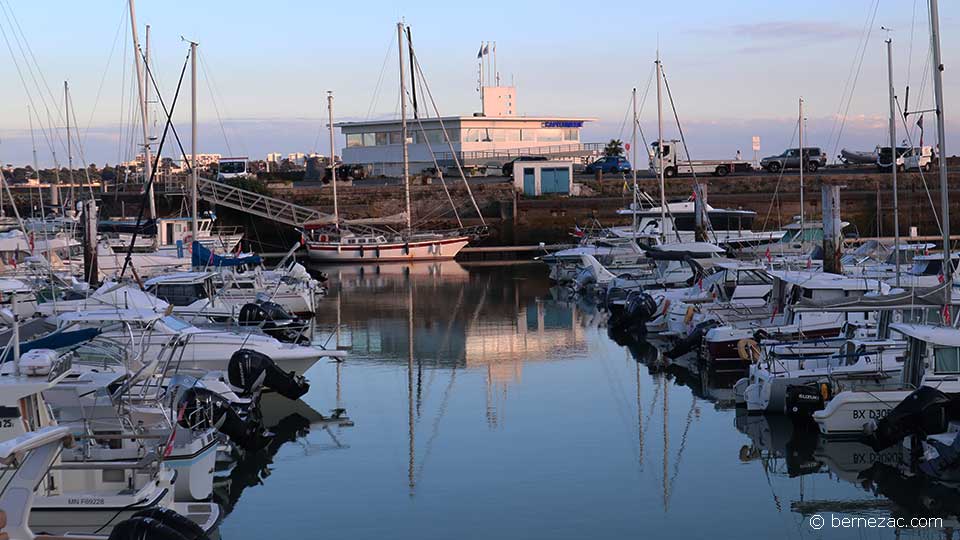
pixel 512 414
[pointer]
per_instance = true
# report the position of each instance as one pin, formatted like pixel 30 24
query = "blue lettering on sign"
pixel 562 124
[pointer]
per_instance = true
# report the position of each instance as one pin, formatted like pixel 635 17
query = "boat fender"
pixel 181 524
pixel 144 528
pixel 689 315
pixel 748 350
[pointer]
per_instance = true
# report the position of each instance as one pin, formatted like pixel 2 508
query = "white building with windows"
pixel 491 138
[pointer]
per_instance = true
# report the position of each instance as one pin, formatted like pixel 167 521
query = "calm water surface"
pixel 512 414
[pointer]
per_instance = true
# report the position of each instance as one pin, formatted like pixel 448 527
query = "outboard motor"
pixel 274 320
pixel 639 308
pixel 201 407
pixel 249 369
pixel 801 400
pixel 144 528
pixel 172 520
pixel 693 340
pixel 926 411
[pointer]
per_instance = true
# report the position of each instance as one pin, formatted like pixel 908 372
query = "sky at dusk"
pixel 735 68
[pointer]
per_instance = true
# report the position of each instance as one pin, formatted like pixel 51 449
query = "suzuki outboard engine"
pixel 801 400
pixel 249 369
pixel 274 320
pixel 926 411
pixel 203 408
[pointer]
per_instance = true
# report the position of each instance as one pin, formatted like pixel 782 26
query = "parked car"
pixel 609 164
pixel 508 166
pixel 790 159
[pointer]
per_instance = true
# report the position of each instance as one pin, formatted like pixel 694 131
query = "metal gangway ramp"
pixel 259 205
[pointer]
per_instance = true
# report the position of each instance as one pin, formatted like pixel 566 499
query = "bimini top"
pixel 942 336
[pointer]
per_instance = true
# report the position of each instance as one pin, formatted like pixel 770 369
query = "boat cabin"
pixel 182 288
pixel 933 354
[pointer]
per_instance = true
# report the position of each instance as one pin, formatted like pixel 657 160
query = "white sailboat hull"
pixel 422 250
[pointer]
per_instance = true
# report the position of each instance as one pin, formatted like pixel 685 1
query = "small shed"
pixel 543 177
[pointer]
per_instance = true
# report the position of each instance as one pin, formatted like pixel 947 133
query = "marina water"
pixel 513 414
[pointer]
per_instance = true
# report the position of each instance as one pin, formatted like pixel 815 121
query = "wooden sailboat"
pixel 362 240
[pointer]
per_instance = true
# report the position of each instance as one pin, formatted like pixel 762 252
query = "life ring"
pixel 689 315
pixel 748 350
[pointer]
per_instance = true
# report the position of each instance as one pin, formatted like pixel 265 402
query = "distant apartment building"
pixel 274 157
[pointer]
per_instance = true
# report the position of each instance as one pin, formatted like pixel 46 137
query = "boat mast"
pixel 403 125
pixel 195 225
pixel 893 153
pixel 142 92
pixel 66 102
pixel 803 165
pixel 633 147
pixel 333 162
pixel 942 161
pixel 663 194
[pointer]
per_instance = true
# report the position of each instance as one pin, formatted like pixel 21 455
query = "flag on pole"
pixel 480 52
pixel 920 125
pixel 486 49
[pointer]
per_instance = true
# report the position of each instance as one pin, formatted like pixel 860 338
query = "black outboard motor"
pixel 183 526
pixel 801 400
pixel 248 369
pixel 144 528
pixel 923 412
pixel 692 341
pixel 639 308
pixel 274 320
pixel 204 408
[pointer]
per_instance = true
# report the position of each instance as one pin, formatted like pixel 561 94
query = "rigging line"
pixel 846 84
pixel 26 89
pixel 208 72
pixel 83 159
pixel 686 150
pixel 623 122
pixel 153 169
pixel 213 99
pixel 22 40
pixel 416 61
pixel 123 89
pixel 103 78
pixel 926 188
pixel 913 21
pixel 776 189
pixel 439 172
pixel 169 114
pixel 843 119
pixel 377 87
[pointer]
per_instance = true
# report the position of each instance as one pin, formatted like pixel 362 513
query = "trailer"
pixel 676 162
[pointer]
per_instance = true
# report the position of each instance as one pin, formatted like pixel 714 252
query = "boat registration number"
pixel 93 501
pixel 863 414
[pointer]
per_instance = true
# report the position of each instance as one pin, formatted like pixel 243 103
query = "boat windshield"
pixel 175 323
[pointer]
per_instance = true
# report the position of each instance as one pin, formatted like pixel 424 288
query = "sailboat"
pixel 365 240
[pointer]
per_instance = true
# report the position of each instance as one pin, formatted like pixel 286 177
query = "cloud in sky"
pixel 768 36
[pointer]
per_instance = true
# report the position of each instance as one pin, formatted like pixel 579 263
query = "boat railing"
pixel 558 150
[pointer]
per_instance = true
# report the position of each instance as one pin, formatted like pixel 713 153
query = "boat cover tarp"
pixel 148 227
pixel 60 340
pixel 203 258
pixel 920 297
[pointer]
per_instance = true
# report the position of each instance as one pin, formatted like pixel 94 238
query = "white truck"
pixel 676 162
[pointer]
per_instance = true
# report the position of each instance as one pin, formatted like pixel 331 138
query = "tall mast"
pixel 66 101
pixel 333 162
pixel 941 135
pixel 633 161
pixel 403 125
pixel 803 165
pixel 142 93
pixel 893 153
pixel 193 140
pixel 36 168
pixel 663 190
